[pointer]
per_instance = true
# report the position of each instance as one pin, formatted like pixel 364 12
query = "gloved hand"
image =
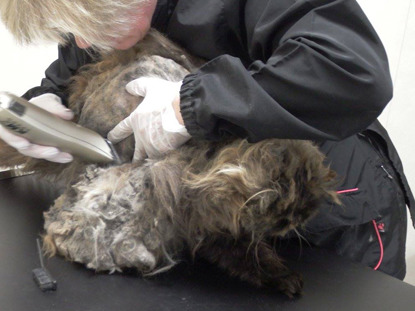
pixel 154 123
pixel 53 104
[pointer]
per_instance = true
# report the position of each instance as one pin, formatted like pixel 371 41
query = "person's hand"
pixel 154 122
pixel 53 104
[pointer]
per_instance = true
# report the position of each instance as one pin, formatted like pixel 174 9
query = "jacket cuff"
pixel 187 106
pixel 40 90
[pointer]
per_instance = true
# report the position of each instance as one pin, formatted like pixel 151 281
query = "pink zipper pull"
pixel 381 226
pixel 377 230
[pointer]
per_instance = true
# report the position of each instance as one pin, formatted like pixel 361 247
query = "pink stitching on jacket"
pixel 347 190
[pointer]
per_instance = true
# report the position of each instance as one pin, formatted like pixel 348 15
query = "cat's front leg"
pixel 256 263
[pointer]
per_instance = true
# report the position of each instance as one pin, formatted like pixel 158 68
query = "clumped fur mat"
pixel 221 201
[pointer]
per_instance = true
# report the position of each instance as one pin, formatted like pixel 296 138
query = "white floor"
pixel 22 68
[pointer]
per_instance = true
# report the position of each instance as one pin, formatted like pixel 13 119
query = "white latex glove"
pixel 154 124
pixel 53 104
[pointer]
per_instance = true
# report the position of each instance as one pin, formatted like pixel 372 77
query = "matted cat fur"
pixel 222 201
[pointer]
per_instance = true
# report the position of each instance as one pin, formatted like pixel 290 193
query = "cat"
pixel 221 201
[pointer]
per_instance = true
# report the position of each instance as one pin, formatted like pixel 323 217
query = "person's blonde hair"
pixel 95 21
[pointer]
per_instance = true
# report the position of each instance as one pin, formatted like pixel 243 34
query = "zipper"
pixel 386 171
pixel 380 154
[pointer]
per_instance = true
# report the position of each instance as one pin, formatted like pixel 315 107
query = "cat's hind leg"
pixel 108 222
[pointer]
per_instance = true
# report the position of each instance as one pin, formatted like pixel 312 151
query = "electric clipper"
pixel 42 127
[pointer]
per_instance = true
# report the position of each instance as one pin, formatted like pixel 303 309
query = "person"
pixel 295 69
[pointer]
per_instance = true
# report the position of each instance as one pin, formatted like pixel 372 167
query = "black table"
pixel 331 282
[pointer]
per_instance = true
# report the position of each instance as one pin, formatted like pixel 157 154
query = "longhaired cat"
pixel 223 201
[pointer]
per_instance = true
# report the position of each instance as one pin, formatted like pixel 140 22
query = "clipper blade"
pixel 116 157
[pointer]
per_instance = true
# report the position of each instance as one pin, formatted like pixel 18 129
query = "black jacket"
pixel 286 68
pixel 304 69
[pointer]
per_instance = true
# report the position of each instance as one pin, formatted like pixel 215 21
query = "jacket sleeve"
pixel 318 71
pixel 59 73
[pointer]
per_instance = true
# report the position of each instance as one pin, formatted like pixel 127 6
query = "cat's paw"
pixel 291 284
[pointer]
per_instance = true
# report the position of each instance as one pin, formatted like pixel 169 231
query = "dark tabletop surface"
pixel 331 282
